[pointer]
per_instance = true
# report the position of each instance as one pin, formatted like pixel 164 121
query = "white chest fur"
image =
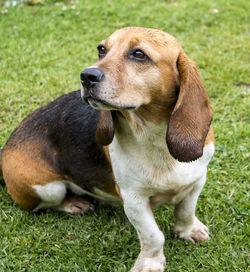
pixel 142 163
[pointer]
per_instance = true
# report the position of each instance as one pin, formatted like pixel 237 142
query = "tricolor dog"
pixel 143 137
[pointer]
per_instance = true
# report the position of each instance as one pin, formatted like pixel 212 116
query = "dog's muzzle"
pixel 89 79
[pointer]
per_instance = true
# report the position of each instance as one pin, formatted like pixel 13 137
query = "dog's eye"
pixel 138 55
pixel 101 51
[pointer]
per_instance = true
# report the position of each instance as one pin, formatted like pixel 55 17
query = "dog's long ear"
pixel 190 120
pixel 105 128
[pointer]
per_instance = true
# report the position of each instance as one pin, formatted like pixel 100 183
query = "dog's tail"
pixel 1 171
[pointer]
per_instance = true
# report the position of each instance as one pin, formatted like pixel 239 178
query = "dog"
pixel 143 137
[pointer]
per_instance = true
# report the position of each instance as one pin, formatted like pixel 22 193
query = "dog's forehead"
pixel 136 35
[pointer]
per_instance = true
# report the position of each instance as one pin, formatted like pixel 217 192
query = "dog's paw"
pixel 196 232
pixel 75 205
pixel 154 264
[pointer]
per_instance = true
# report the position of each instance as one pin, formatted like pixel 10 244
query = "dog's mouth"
pixel 101 104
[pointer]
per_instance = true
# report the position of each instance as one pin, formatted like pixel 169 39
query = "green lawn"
pixel 43 49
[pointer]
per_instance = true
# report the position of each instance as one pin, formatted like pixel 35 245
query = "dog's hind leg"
pixel 54 195
pixel 51 194
pixel 75 204
pixel 34 185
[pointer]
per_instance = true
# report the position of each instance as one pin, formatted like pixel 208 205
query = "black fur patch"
pixel 65 132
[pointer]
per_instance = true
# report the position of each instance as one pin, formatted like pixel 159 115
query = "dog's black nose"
pixel 91 76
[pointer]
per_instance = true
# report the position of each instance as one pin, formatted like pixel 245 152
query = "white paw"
pixel 195 232
pixel 154 264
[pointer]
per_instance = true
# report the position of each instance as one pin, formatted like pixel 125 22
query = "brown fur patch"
pixel 110 187
pixel 106 151
pixel 192 115
pixel 210 136
pixel 118 192
pixel 21 171
pixel 105 128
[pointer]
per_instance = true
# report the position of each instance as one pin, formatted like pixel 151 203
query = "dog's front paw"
pixel 195 232
pixel 145 264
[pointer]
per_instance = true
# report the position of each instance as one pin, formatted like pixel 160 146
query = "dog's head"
pixel 147 71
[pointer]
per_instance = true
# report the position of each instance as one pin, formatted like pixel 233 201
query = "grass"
pixel 43 47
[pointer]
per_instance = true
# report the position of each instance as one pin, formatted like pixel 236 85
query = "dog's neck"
pixel 153 115
pixel 133 126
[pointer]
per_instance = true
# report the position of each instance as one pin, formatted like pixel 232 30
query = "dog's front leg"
pixel 187 225
pixel 139 213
